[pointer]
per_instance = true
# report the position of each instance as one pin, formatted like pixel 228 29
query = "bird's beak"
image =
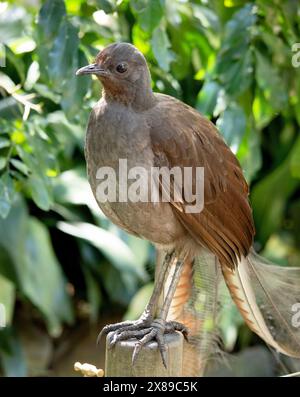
pixel 94 68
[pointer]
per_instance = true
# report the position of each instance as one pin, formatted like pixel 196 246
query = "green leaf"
pixel 61 57
pixel 270 195
pixel 20 166
pixel 207 97
pixel 32 76
pixel 295 160
pixel 263 111
pixel 12 359
pixel 72 187
pixel 6 194
pixel 75 89
pixel 116 251
pixel 139 302
pixel 40 277
pixel 4 142
pixel 3 162
pixel 139 247
pixel 44 91
pixel 93 293
pixel 249 153
pixel 232 125
pixel 149 13
pixel 108 6
pixel 17 61
pixel 270 82
pixel 235 59
pixel 13 22
pixel 7 299
pixel 50 17
pixel 161 48
pixel 39 192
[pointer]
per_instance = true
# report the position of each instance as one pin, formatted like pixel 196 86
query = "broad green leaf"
pixel 249 153
pixel 108 6
pixel 3 162
pixel 22 45
pixel 207 97
pixel 232 125
pixel 10 108
pixel 120 289
pixel 263 111
pixel 12 359
pixel 72 187
pixel 116 251
pixel 139 247
pixel 33 74
pixel 161 48
pixel 295 160
pixel 207 17
pixel 4 142
pixel 149 13
pixel 20 166
pixel 139 302
pixel 270 82
pixel 93 293
pixel 39 192
pixel 50 17
pixel 7 299
pixel 61 56
pixel 7 83
pixel 75 88
pixel 46 92
pixel 13 21
pixel 6 194
pixel 269 196
pixel 40 277
pixel 235 59
pixel 17 61
pixel 111 245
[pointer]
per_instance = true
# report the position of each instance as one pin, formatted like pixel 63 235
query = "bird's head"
pixel 123 72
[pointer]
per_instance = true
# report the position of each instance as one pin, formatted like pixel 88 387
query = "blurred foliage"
pixel 60 258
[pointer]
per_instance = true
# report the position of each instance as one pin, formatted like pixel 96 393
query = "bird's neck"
pixel 140 98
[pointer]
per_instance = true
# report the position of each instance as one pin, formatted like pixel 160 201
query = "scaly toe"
pixel 172 326
pixel 138 346
pixel 126 335
pixel 113 327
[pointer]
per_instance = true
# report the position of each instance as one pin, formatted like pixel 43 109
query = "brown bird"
pixel 152 130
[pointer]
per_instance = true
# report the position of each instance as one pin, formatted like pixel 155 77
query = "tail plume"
pixel 196 304
pixel 267 295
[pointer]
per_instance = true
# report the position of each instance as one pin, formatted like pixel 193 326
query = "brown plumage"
pixel 154 130
pixel 180 136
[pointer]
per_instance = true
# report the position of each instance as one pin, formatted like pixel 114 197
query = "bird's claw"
pixel 144 331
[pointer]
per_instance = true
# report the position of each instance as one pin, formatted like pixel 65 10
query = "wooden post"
pixel 149 362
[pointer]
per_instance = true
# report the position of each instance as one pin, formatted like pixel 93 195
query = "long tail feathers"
pixel 266 296
pixel 196 304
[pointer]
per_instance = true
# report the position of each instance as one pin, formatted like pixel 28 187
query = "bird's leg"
pixel 129 329
pixel 154 329
pixel 160 326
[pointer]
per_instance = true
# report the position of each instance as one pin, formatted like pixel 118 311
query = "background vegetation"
pixel 62 263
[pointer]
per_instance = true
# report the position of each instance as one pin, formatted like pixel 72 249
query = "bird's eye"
pixel 122 67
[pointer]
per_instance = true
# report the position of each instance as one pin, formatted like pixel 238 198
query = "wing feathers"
pixel 182 137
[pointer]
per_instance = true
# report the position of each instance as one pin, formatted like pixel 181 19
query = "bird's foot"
pixel 125 326
pixel 144 330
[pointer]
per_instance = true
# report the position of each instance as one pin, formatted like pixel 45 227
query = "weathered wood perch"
pixel 149 362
